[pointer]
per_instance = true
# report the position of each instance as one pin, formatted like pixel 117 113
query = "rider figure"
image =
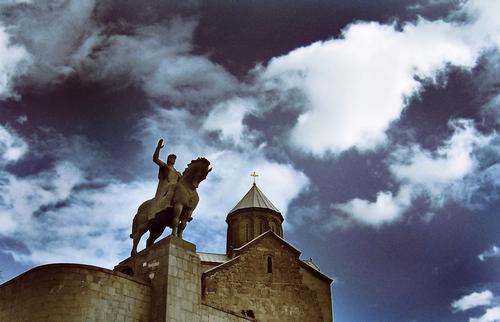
pixel 167 174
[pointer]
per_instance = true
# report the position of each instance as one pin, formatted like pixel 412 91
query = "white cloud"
pixel 493 251
pixel 227 117
pixel 426 4
pixel 13 63
pixel 11 2
pixel 91 226
pixel 59 35
pixel 344 79
pixel 448 173
pixel 479 299
pixel 12 147
pixel 484 29
pixel 62 215
pixel 386 209
pixel 491 315
pixel 22 197
pixel 358 84
pixel 439 175
pixel 473 300
pixel 450 162
pixel 158 58
pixel 22 119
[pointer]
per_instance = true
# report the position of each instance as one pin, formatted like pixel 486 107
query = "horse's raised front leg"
pixel 175 218
pixel 138 229
pixel 136 239
pixel 183 221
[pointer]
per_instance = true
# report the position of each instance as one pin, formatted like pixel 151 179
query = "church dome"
pixel 252 216
pixel 254 198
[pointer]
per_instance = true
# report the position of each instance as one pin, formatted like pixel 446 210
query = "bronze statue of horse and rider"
pixel 175 199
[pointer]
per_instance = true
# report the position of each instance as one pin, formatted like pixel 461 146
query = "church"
pixel 260 278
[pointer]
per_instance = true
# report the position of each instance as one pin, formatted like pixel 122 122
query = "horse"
pixel 176 209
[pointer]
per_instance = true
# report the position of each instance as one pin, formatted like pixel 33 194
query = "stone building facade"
pixel 259 278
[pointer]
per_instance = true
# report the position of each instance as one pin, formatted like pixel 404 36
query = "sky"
pixel 372 125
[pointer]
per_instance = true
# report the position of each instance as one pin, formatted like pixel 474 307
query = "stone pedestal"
pixel 174 270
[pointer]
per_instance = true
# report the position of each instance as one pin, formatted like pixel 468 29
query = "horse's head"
pixel 196 171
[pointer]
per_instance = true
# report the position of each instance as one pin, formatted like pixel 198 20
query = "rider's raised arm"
pixel 156 154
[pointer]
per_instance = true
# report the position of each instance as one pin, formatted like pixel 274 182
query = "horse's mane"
pixel 201 161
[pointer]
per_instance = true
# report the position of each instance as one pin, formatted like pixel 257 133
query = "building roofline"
pixel 261 236
pixel 200 255
pixel 243 210
pixel 222 266
pixel 254 198
pixel 315 271
pixel 238 250
pixel 74 266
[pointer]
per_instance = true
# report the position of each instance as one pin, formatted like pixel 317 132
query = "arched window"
pixel 269 264
pixel 273 226
pixel 244 232
pixel 247 232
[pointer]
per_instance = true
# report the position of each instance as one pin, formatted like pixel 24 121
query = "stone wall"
pixel 174 269
pixel 321 288
pixel 211 314
pixel 265 282
pixel 71 292
pixel 244 283
pixel 206 266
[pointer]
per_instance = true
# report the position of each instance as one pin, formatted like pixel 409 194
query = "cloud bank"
pixel 13 62
pixel 450 173
pixel 357 85
pixel 473 300
pixel 479 299
pixel 12 147
pixel 61 214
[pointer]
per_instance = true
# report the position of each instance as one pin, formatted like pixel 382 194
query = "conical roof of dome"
pixel 254 198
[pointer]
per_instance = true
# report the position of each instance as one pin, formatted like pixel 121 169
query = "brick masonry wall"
pixel 245 284
pixel 72 292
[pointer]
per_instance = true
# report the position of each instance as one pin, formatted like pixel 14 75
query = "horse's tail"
pixel 134 226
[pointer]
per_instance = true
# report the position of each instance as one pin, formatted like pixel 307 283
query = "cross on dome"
pixel 254 175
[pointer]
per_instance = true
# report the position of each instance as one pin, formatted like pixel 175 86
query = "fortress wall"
pixel 73 292
pixel 322 290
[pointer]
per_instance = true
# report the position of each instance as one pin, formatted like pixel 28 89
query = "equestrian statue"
pixel 174 200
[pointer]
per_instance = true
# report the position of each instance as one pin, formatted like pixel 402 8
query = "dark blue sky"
pixel 373 126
